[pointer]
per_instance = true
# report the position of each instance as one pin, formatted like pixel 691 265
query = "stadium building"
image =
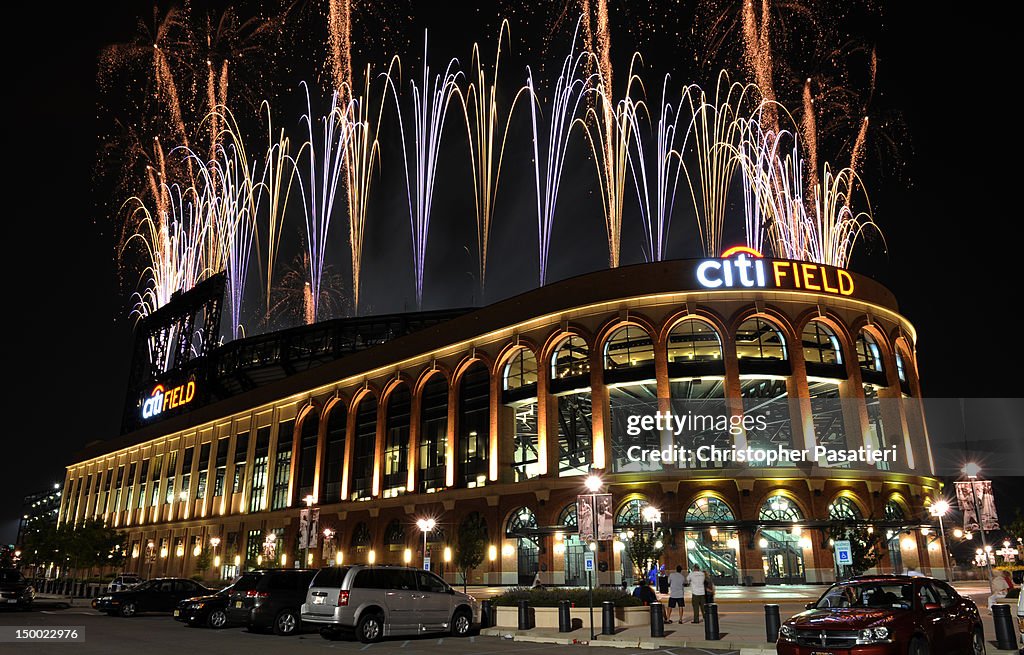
pixel 500 413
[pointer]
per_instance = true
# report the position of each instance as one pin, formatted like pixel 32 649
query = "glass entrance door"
pixel 782 558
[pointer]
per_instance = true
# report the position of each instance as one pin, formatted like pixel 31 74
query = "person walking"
pixel 696 580
pixel 999 588
pixel 676 587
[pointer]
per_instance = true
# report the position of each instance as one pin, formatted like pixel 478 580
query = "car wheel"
pixel 978 642
pixel 370 628
pixel 286 623
pixel 461 623
pixel 217 619
pixel 128 610
pixel 918 646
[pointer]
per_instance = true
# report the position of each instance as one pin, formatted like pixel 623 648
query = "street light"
pixel 426 526
pixel 214 542
pixel 653 515
pixel 939 509
pixel 309 500
pixel 972 470
pixel 593 483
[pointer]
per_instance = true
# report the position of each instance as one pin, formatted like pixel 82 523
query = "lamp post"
pixel 971 470
pixel 426 526
pixel 593 483
pixel 214 542
pixel 939 509
pixel 309 500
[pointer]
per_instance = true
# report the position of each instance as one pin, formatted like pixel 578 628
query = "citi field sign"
pixel 161 399
pixel 741 267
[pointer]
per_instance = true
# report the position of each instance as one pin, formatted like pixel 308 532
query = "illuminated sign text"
pixel 163 399
pixel 743 267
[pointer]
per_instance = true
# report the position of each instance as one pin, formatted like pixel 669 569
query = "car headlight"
pixel 873 635
pixel 106 599
pixel 198 606
pixel 787 632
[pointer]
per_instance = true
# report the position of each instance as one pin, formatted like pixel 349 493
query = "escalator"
pixel 782 558
pixel 720 562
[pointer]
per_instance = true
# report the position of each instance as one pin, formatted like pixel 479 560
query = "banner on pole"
pixel 975 497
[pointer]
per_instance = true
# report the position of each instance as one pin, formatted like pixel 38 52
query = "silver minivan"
pixel 385 601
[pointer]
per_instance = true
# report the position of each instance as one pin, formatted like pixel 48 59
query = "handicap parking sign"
pixel 843 553
pixel 588 560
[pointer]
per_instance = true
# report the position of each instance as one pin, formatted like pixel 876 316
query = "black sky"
pixel 71 341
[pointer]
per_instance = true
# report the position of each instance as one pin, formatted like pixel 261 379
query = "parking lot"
pixel 157 634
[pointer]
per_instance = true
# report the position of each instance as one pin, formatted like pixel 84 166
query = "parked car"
pixel 879 615
pixel 274 601
pixel 385 601
pixel 123 581
pixel 157 595
pixel 211 610
pixel 15 591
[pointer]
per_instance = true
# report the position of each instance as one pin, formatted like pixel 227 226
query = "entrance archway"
pixel 781 554
pixel 528 548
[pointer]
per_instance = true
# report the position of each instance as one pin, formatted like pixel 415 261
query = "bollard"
pixel 1006 636
pixel 486 614
pixel 711 622
pixel 564 616
pixel 524 615
pixel 607 618
pixel 657 620
pixel 772 622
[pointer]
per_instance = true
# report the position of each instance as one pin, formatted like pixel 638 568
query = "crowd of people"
pixel 702 591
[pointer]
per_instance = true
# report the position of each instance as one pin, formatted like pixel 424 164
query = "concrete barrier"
pixel 547 617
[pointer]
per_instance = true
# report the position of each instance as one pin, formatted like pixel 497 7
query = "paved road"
pixel 157 634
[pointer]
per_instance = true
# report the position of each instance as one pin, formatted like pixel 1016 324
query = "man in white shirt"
pixel 696 580
pixel 676 584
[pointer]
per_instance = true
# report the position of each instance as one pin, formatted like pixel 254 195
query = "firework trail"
pixel 609 129
pixel 322 187
pixel 809 135
pixel 656 213
pixel 716 131
pixel 339 39
pixel 569 95
pixel 483 120
pixel 362 153
pixel 834 228
pixel 430 109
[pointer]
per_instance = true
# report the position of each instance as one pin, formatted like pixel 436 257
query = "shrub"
pixel 578 596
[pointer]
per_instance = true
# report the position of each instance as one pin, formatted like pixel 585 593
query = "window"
pixel 693 340
pixel 131 487
pixel 760 340
pixel 820 344
pixel 222 467
pixel 626 401
pixel 204 470
pixel 335 458
pixel 186 473
pixel 901 370
pixel 396 443
pixel 703 397
pixel 631 513
pixel 525 459
pixel 364 448
pixel 474 425
pixel 869 356
pixel 627 347
pixel 309 434
pixel 779 508
pixel 767 398
pixel 109 480
pixel 433 434
pixel 153 481
pixel 709 509
pixel 258 496
pixel 571 358
pixel 827 415
pixel 575 427
pixel 520 521
pixel 843 509
pixel 254 542
pixel 893 511
pixel 283 465
pixel 521 370
pixel 430 583
pixel 394 535
pixel 241 454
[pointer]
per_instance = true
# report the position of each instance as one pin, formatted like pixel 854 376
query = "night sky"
pixel 67 303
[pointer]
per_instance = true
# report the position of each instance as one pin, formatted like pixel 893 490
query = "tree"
pixel 864 546
pixel 204 561
pixel 1016 528
pixel 470 543
pixel 644 547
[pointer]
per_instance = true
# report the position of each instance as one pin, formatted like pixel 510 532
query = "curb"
pixel 643 643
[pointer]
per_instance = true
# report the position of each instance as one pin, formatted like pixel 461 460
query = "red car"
pixel 886 615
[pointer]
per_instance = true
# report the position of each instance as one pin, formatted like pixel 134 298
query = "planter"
pixel 547 617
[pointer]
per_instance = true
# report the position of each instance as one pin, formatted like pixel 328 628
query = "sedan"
pixel 885 615
pixel 211 610
pixel 159 595
pixel 15 590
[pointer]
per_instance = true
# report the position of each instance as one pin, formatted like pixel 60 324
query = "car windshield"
pixel 869 595
pixel 10 577
pixel 142 586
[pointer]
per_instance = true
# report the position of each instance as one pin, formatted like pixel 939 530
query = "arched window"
pixel 474 425
pixel 843 509
pixel 307 451
pixel 628 346
pixel 693 340
pixel 709 509
pixel 520 520
pixel 567 517
pixel 901 369
pixel 361 536
pixel 760 340
pixel 893 511
pixel 869 356
pixel 433 442
pixel 396 442
pixel 631 513
pixel 335 446
pixel 820 344
pixel 365 448
pixel 395 534
pixel 571 358
pixel 521 370
pixel 779 508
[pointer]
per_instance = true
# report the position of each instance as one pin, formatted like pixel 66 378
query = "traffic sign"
pixel 843 553
pixel 426 563
pixel 588 561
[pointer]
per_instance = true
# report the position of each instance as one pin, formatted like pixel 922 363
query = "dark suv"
pixel 272 600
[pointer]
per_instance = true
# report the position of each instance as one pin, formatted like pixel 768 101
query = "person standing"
pixel 999 588
pixel 696 580
pixel 676 587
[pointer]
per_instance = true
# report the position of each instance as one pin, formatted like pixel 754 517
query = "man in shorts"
pixel 676 584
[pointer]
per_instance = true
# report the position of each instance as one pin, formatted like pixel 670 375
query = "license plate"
pixel 177 612
pixel 319 600
pixel 821 652
pixel 238 603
